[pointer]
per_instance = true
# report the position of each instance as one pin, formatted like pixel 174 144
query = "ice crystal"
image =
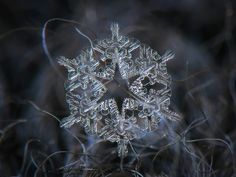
pixel 118 89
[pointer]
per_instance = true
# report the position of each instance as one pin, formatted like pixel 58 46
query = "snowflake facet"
pixel 118 89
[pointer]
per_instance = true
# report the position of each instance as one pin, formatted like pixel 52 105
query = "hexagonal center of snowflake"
pixel 117 89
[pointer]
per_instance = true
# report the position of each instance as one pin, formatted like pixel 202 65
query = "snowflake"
pixel 118 89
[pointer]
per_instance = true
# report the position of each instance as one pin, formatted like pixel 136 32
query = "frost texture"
pixel 118 89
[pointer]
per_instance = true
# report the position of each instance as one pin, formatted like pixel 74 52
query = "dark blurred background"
pixel 199 32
